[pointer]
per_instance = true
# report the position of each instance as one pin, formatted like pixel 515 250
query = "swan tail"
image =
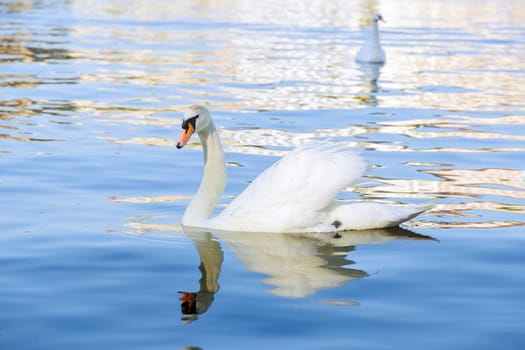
pixel 370 215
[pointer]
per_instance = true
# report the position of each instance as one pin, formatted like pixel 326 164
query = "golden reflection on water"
pixel 275 59
pixel 280 56
pixel 479 187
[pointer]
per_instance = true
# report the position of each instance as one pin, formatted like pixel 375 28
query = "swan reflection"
pixel 370 73
pixel 211 256
pixel 296 265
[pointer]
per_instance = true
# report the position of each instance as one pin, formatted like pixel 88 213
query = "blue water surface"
pixel 92 189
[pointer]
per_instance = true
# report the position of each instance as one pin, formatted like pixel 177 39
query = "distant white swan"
pixel 296 194
pixel 371 51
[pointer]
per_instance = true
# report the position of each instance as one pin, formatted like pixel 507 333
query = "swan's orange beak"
pixel 186 134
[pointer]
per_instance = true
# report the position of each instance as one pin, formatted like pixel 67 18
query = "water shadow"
pixel 297 266
pixel 370 73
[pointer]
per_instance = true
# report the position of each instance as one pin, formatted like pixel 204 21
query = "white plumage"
pixel 296 194
pixel 371 51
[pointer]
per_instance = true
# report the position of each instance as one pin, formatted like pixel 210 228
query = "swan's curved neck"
pixel 213 179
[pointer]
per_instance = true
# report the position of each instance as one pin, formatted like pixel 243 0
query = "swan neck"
pixel 375 33
pixel 213 179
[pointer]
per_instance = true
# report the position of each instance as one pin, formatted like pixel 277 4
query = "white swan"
pixel 371 51
pixel 296 194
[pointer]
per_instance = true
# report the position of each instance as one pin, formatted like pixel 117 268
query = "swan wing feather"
pixel 292 192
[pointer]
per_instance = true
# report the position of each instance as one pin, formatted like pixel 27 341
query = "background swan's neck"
pixel 213 179
pixel 375 34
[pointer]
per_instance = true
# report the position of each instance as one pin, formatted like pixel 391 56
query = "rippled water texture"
pixel 92 189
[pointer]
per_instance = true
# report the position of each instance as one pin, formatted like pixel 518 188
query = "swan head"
pixel 196 119
pixel 376 17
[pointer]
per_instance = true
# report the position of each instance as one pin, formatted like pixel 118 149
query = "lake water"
pixel 92 189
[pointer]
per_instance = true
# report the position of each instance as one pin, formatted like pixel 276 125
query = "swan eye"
pixel 191 121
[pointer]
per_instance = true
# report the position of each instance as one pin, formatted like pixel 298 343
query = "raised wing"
pixel 292 191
